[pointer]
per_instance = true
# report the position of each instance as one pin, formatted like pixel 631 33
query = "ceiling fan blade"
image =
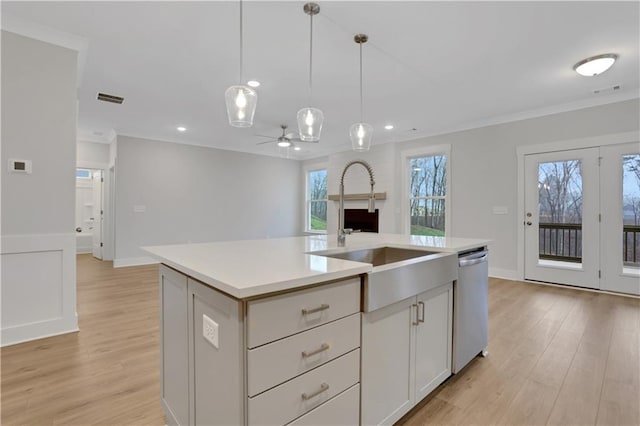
pixel 262 143
pixel 266 136
pixel 300 140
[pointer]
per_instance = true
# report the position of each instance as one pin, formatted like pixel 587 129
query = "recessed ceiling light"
pixel 389 126
pixel 595 65
pixel 296 148
pixel 253 83
pixel 181 129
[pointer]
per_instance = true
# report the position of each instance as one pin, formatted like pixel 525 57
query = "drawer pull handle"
pixel 322 348
pixel 323 387
pixel 322 307
pixel 421 318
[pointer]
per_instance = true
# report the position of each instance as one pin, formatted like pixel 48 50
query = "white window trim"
pixel 424 151
pixel 308 168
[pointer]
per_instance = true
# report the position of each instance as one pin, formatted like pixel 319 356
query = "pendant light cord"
pixel 361 114
pixel 311 59
pixel 241 42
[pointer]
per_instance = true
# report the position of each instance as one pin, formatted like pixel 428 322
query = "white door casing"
pixel 98 217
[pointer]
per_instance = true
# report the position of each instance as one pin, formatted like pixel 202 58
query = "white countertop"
pixel 251 268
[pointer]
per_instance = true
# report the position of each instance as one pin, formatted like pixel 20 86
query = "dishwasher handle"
pixel 473 259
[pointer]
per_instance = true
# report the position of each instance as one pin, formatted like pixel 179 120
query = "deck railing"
pixel 631 245
pixel 563 241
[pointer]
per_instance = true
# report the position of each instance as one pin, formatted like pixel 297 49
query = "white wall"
pixel 38 238
pixel 483 171
pixel 93 155
pixel 197 194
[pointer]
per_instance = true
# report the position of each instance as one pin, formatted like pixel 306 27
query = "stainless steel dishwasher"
pixel 470 307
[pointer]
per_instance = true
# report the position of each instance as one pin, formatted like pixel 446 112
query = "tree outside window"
pixel 428 187
pixel 317 201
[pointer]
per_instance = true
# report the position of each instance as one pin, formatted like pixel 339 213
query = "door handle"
pixel 421 318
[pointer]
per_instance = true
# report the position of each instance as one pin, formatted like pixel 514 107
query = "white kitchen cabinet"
pixel 307 357
pixel 406 353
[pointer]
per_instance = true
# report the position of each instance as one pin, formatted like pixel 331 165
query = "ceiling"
pixel 429 67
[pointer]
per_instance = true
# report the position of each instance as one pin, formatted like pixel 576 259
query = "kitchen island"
pixel 272 331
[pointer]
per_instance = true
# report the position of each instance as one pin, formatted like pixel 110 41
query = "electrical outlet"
pixel 210 330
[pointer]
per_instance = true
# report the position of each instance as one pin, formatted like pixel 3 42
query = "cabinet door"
pixel 388 351
pixel 216 371
pixel 433 339
pixel 174 360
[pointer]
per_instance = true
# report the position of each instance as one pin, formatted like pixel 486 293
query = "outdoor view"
pixel 317 200
pixel 560 203
pixel 428 191
pixel 560 210
pixel 631 210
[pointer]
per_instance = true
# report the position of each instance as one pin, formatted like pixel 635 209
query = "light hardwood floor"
pixel 557 356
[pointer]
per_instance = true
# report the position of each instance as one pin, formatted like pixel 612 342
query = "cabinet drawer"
pixel 272 364
pixel 280 316
pixel 342 410
pixel 296 397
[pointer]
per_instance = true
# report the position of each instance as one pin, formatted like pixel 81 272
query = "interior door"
pixel 620 195
pixel 97 216
pixel 561 220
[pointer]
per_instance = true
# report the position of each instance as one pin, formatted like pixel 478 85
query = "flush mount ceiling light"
pixel 181 129
pixel 253 83
pixel 361 133
pixel 310 119
pixel 389 127
pixel 241 100
pixel 595 65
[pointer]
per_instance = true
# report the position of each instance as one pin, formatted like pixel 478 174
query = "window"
pixel 427 194
pixel 316 201
pixel 83 173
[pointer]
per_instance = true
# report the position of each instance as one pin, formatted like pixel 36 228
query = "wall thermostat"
pixel 20 166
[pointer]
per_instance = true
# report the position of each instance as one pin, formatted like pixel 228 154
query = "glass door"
pixel 620 227
pixel 561 217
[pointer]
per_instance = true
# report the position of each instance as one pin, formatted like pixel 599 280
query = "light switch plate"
pixel 500 210
pixel 139 209
pixel 210 330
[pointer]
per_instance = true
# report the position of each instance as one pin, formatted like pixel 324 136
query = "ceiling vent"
pixel 110 98
pixel 607 89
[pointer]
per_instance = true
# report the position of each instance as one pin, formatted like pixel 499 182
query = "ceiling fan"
pixel 285 140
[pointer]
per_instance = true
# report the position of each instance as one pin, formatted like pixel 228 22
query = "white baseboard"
pixel 506 274
pixel 134 261
pixel 84 250
pixel 38 286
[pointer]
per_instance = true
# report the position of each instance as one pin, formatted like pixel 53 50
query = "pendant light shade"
pixel 361 133
pixel 310 124
pixel 241 105
pixel 241 100
pixel 310 119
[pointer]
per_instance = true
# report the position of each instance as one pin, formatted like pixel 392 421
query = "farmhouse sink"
pixel 399 273
pixel 380 255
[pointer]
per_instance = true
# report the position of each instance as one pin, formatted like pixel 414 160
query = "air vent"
pixel 607 89
pixel 110 98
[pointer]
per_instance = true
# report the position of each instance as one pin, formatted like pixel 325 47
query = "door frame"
pixel 106 204
pixel 522 151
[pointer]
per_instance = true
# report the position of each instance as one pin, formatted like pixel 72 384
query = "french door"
pixel 582 217
pixel 620 206
pixel 561 217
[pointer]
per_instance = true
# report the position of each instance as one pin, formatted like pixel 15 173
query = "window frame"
pixel 406 157
pixel 307 200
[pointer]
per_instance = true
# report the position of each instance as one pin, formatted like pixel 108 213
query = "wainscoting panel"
pixel 38 286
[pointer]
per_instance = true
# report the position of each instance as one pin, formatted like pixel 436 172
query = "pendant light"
pixel 310 119
pixel 241 100
pixel 361 133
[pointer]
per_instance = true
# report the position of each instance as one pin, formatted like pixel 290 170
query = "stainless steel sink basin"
pixel 399 273
pixel 380 256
